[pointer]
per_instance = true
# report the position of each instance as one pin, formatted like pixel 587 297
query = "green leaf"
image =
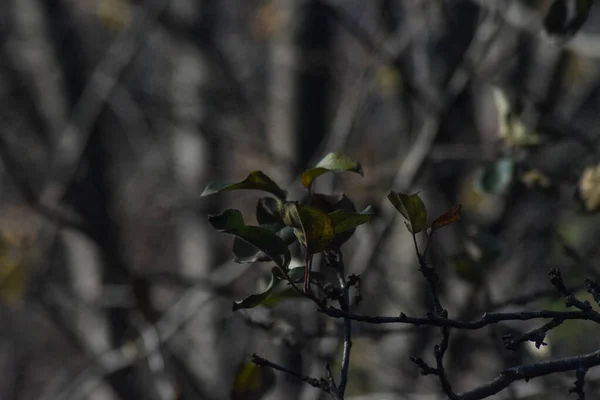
pixel 332 162
pixel 246 253
pixel 313 228
pixel 256 299
pixel 345 220
pixel 495 178
pixel 261 238
pixel 255 181
pixel 412 208
pixel 268 211
pixel 228 219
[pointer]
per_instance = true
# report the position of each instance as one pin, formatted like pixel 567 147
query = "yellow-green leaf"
pixel 313 228
pixel 332 162
pixel 255 181
pixel 412 208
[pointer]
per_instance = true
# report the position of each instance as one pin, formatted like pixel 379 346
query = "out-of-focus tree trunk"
pixel 192 85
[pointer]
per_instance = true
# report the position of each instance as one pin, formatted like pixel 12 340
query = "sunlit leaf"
pixel 412 208
pixel 252 382
pixel 313 228
pixel 589 188
pixel 332 162
pixel 449 217
pixel 263 239
pixel 255 181
pixel 496 178
pixel 256 299
pixel 510 126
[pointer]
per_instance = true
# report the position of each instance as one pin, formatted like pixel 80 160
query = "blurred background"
pixel 115 114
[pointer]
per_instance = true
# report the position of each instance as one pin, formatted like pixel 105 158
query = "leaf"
pixel 332 162
pixel 510 126
pixel 330 204
pixel 589 188
pixel 346 220
pixel 313 228
pixel 246 253
pixel 495 178
pixel 256 299
pixel 268 211
pixel 450 216
pixel 255 181
pixel 228 219
pixel 252 382
pixel 412 208
pixel 263 239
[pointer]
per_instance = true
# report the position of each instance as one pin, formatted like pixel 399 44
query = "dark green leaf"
pixel 255 181
pixel 263 239
pixel 256 299
pixel 228 219
pixel 246 253
pixel 412 208
pixel 332 162
pixel 268 211
pixel 345 220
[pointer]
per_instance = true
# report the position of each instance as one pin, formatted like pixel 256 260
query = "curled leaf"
pixel 257 180
pixel 332 162
pixel 412 208
pixel 450 216
pixel 263 239
pixel 256 299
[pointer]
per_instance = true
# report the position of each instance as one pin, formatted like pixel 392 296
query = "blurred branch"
pixel 96 93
